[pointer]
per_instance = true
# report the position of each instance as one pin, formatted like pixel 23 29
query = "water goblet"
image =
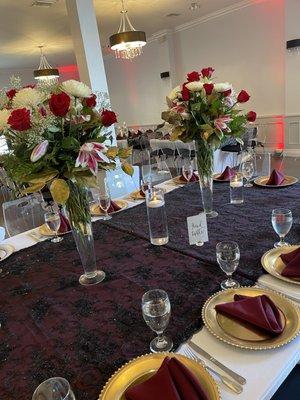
pixel 156 310
pixel 52 220
pixel 145 185
pixel 282 220
pixel 104 203
pixel 228 257
pixel 54 389
pixel 248 172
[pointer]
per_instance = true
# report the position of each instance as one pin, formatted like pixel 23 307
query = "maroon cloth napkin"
pixel 194 178
pixel 142 193
pixel 173 381
pixel 292 262
pixel 226 175
pixel 113 207
pixel 64 224
pixel 276 178
pixel 259 311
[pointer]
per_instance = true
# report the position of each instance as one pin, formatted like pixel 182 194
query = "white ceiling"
pixel 23 28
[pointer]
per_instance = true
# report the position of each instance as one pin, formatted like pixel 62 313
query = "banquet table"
pixel 52 326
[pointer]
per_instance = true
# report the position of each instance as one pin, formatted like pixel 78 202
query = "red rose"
pixel 59 104
pixel 243 97
pixel 185 93
pixel 207 72
pixel 108 118
pixel 11 93
pixel 193 76
pixel 251 116
pixel 208 87
pixel 19 119
pixel 91 101
pixel 227 93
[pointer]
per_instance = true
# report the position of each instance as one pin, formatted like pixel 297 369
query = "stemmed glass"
pixel 187 170
pixel 52 220
pixel 145 165
pixel 104 200
pixel 54 389
pixel 228 257
pixel 282 220
pixel 248 172
pixel 156 309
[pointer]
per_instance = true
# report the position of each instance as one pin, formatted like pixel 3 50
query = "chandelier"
pixel 127 43
pixel 45 74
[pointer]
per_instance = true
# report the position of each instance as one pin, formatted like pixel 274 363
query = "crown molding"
pixel 218 14
pixel 159 35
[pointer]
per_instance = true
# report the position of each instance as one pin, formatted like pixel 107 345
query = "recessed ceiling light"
pixel 173 15
pixel 194 6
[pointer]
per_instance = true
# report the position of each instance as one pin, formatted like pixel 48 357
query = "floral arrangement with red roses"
pixel 55 138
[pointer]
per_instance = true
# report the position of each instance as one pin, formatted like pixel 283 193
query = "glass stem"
pixel 281 238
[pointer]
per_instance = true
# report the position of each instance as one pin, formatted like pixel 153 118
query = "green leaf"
pixel 54 129
pixel 127 168
pixel 70 143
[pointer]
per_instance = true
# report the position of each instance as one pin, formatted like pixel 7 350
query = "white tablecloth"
pixel 264 370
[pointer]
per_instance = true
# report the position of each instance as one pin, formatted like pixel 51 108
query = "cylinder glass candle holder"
pixel 236 189
pixel 157 218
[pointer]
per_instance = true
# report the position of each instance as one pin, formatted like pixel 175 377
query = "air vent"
pixel 43 3
pixel 173 15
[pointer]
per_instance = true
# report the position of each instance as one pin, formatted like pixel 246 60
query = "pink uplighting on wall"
pixel 68 72
pixel 279 132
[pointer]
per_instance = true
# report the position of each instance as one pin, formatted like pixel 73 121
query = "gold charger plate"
pixel 5 251
pixel 273 264
pixel 288 181
pixel 96 210
pixel 177 181
pixel 136 195
pixel 142 368
pixel 242 335
pixel 46 231
pixel 216 176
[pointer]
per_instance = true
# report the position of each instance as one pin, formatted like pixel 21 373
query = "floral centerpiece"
pixel 206 112
pixel 55 140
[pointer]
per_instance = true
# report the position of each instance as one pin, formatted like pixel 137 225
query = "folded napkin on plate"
pixel 292 262
pixel 113 207
pixel 142 193
pixel 173 381
pixel 259 311
pixel 64 224
pixel 276 178
pixel 226 174
pixel 194 178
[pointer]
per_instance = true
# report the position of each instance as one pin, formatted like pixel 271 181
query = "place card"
pixel 197 228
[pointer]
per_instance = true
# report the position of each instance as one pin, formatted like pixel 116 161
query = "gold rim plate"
pixel 142 368
pixel 242 335
pixel 136 195
pixel 96 210
pixel 46 231
pixel 273 264
pixel 216 178
pixel 5 251
pixel 288 181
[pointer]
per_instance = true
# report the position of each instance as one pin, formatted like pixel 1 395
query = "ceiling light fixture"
pixel 194 6
pixel 45 74
pixel 127 43
pixel 293 46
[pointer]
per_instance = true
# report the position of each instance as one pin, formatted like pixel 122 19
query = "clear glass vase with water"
pixel 157 218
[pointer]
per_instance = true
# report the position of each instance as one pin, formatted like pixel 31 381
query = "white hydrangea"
pixel 222 87
pixel 28 97
pixel 174 93
pixel 76 88
pixel 194 86
pixel 4 115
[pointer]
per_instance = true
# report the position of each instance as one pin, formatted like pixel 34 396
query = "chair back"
pixel 23 214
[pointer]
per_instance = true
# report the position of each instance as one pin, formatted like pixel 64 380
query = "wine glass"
pixel 282 220
pixel 187 170
pixel 228 257
pixel 54 389
pixel 52 220
pixel 104 200
pixel 145 165
pixel 248 172
pixel 156 309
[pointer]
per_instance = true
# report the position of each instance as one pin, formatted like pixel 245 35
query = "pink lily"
pixel 90 154
pixel 39 151
pixel 221 123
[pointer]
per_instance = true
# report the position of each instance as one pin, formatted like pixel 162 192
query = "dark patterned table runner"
pixel 248 224
pixel 52 326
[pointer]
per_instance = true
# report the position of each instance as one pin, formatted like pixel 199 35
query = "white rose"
pixel 173 95
pixel 76 88
pixel 194 86
pixel 4 115
pixel 28 97
pixel 222 87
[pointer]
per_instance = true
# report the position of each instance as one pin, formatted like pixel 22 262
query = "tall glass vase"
pixel 80 219
pixel 205 163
